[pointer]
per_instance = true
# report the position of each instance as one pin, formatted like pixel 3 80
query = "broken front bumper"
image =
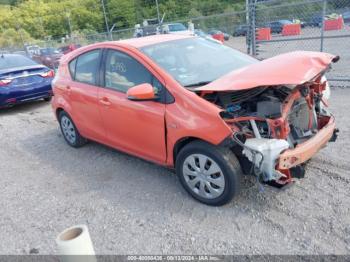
pixel 304 151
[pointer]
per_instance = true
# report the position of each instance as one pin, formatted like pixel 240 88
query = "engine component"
pixel 299 119
pixel 270 149
pixel 269 108
pixel 255 128
pixel 233 108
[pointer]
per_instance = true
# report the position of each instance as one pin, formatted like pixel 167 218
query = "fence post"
pixel 324 9
pixel 251 35
pixel 251 27
pixel 247 23
pixel 253 16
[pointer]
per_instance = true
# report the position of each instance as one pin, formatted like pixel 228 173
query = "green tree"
pixel 11 38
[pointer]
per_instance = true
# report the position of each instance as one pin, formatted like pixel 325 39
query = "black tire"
pixel 79 140
pixel 47 99
pixel 227 162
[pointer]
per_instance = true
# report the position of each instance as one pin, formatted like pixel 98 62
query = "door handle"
pixel 105 101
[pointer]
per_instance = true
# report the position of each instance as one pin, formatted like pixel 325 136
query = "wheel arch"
pixel 182 142
pixel 58 111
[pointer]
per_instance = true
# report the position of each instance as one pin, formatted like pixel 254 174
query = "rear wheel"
pixel 69 131
pixel 209 173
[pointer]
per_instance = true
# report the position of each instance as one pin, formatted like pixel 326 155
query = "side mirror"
pixel 142 92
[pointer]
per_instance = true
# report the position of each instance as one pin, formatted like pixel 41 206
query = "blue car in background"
pixel 22 80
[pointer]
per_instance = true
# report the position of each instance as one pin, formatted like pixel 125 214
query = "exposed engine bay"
pixel 267 121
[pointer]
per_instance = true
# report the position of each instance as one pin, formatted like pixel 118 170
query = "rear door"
pixel 137 127
pixel 83 94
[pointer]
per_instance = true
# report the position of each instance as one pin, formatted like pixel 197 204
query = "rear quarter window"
pixel 72 65
pixel 86 67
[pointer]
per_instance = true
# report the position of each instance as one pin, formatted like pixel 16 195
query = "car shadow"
pixel 24 107
pixel 126 180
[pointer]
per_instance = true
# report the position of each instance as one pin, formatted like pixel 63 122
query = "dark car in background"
pixel 217 34
pixel 277 26
pixel 49 57
pixel 346 17
pixel 315 21
pixel 68 48
pixel 226 36
pixel 22 80
pixel 241 30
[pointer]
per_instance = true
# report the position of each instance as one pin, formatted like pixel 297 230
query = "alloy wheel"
pixel 68 129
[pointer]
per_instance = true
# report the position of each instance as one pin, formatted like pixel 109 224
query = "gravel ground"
pixel 134 207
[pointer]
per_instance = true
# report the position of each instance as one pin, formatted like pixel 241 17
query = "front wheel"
pixel 209 173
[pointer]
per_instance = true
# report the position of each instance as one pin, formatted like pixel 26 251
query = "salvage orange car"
pixel 189 103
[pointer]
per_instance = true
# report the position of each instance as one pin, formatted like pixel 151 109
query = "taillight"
pixel 5 82
pixel 47 74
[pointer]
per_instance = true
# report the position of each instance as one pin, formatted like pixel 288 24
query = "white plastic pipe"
pixel 74 244
pixel 255 128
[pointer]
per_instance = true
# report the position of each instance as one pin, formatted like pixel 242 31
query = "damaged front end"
pixel 276 129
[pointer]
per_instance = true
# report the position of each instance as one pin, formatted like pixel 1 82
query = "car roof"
pixel 152 40
pixel 174 24
pixel 284 21
pixel 3 55
pixel 128 43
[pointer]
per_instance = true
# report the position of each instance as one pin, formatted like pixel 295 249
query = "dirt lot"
pixel 134 207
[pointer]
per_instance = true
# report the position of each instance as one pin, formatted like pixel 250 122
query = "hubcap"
pixel 68 129
pixel 203 176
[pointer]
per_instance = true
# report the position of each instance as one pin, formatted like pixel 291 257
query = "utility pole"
pixel 41 24
pixel 111 31
pixel 158 15
pixel 105 16
pixel 18 27
pixel 69 24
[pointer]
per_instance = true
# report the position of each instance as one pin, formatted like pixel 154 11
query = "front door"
pixel 137 127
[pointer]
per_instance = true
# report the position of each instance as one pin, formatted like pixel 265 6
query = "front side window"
pixel 87 67
pixel 196 61
pixel 123 72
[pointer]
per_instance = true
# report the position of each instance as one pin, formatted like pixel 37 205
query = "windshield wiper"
pixel 202 83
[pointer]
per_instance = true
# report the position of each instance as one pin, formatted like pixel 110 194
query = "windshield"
pixel 196 61
pixel 12 61
pixel 177 27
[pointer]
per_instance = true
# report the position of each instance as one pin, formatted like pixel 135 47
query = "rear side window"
pixel 86 67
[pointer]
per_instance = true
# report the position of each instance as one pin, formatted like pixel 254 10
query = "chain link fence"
pixel 242 29
pixel 324 26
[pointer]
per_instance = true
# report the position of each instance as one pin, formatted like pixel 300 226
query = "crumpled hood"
pixel 292 68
